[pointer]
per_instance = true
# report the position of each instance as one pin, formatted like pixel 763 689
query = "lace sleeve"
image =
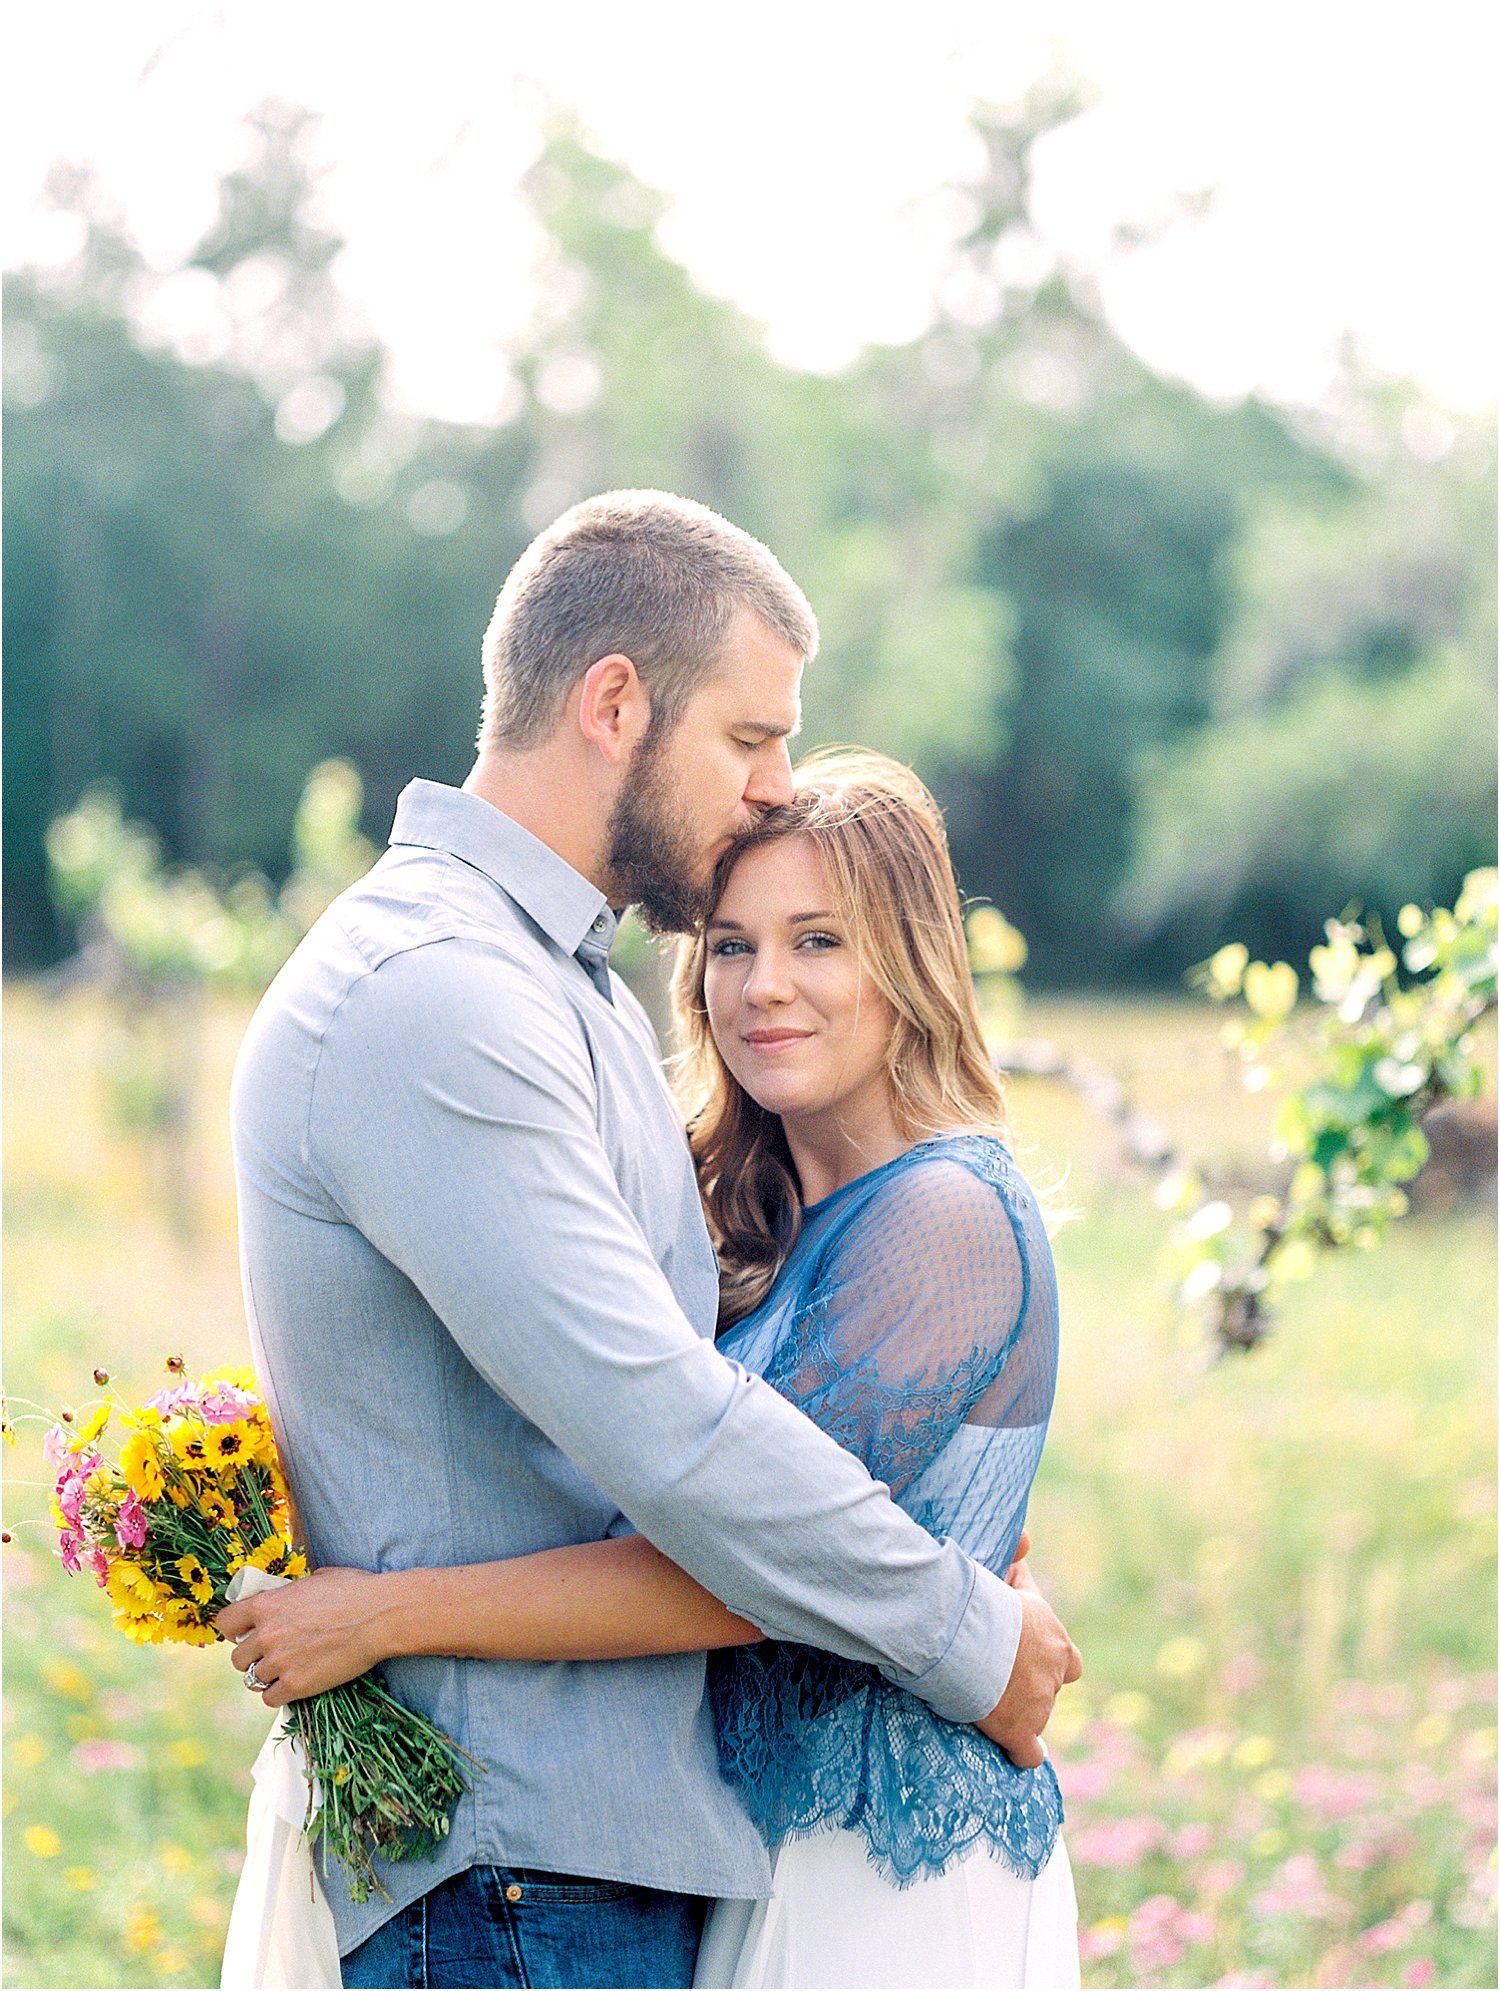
pixel 925 1314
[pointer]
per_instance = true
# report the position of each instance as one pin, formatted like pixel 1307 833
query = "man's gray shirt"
pixel 482 1300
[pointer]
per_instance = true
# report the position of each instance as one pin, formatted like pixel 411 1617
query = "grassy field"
pixel 1280 1766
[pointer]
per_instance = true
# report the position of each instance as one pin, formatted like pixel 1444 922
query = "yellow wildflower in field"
pixel 61 1676
pixel 1129 1708
pixel 1269 1842
pixel 1254 1752
pixel 1181 1657
pixel 1272 1786
pixel 82 1880
pixel 27 1751
pixel 141 1466
pixel 42 1841
pixel 187 1754
pixel 142 1930
pixel 176 1859
pixel 1431 1730
pixel 171 1961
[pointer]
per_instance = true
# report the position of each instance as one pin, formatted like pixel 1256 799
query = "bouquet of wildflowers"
pixel 195 1495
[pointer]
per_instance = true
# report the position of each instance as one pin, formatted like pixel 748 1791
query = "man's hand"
pixel 1046 1660
pixel 316 1633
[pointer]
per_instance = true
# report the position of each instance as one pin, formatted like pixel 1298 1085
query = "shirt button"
pixel 513 1893
pixel 601 922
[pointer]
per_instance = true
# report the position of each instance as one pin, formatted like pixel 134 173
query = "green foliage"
pixel 1380 1056
pixel 1121 630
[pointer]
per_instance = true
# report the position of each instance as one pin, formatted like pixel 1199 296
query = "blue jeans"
pixel 499 1926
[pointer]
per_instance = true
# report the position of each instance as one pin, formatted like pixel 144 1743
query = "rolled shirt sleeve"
pixel 454 1121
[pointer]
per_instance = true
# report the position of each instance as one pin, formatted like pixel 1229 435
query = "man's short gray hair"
pixel 657 578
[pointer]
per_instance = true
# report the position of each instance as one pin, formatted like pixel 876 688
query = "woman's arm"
pixel 617 1599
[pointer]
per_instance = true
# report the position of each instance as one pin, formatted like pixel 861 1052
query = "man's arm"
pixel 454 1124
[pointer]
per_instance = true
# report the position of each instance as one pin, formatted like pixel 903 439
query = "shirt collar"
pixel 563 903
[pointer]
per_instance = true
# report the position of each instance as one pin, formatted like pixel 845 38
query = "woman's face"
pixel 795 1016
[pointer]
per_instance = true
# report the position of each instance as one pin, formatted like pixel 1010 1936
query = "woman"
pixel 884 1265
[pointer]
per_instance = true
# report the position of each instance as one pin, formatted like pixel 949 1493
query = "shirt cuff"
pixel 967 1680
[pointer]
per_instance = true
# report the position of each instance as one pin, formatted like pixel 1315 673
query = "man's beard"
pixel 649 852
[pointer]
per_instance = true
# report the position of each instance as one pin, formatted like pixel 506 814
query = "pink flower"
pixel 1331 1796
pixel 1221 1877
pixel 1081 1783
pixel 222 1403
pixel 1099 1942
pixel 1243 1673
pixel 1421 1970
pixel 55 1445
pixel 68 1544
pixel 99 1752
pixel 1189 1841
pixel 1358 1856
pixel 176 1397
pixel 130 1523
pixel 1117 1842
pixel 1385 1936
pixel 1298 1889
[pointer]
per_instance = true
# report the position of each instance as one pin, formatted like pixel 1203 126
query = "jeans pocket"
pixel 518 1885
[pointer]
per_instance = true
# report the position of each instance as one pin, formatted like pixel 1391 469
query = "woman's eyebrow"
pixel 796 919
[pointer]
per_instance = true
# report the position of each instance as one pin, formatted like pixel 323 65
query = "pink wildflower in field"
pixel 1242 1674
pixel 1298 1889
pixel 1421 1970
pixel 1245 1980
pixel 1117 1842
pixel 130 1523
pixel 1331 1795
pixel 1081 1783
pixel 1155 1942
pixel 1189 1842
pixel 99 1752
pixel 1220 1877
pixel 1358 1856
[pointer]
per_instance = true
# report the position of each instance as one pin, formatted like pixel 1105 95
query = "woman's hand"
pixel 1019 1574
pixel 325 1628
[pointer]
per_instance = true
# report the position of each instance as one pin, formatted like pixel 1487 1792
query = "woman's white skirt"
pixel 833 1921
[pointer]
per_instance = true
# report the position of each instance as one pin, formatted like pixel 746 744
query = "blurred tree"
pixel 1351 754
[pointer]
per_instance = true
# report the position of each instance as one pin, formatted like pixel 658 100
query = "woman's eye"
pixel 819 941
pixel 729 946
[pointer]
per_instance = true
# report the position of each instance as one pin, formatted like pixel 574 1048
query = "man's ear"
pixel 614 708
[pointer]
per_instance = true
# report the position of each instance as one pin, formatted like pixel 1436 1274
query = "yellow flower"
pixel 218 1509
pixel 196 1577
pixel 187 1754
pixel 131 1589
pixel 267 1552
pixel 43 1841
pixel 1254 1752
pixel 63 1676
pixel 140 1631
pixel 295 1565
pixel 89 1430
pixel 145 1419
pixel 141 1466
pixel 170 1961
pixel 1180 1657
pixel 189 1443
pixel 176 1859
pixel 80 1879
pixel 229 1445
pixel 142 1930
pixel 27 1751
pixel 239 1376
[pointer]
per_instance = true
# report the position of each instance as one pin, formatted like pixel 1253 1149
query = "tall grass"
pixel 1280 1764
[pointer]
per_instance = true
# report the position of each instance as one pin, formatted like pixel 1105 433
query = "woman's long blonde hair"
pixel 881 838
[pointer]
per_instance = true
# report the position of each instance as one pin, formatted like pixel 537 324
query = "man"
pixel 482 1295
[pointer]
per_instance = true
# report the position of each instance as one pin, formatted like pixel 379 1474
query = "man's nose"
pixel 770 782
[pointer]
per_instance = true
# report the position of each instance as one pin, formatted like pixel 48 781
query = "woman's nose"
pixel 769 979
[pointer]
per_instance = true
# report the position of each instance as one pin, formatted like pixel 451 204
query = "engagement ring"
pixel 253 1680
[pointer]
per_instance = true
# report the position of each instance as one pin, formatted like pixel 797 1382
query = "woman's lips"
pixel 775 1040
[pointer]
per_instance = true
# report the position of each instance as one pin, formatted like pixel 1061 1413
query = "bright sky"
pixel 805 148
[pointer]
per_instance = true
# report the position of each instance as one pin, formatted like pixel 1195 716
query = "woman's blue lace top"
pixel 915 1320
